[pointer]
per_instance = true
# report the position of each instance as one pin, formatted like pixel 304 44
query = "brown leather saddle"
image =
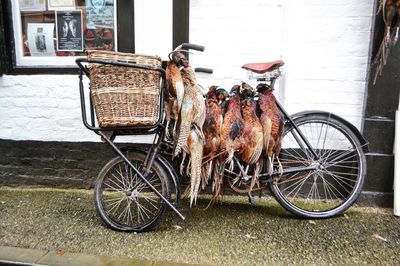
pixel 261 68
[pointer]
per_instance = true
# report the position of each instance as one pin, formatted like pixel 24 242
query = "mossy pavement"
pixel 231 233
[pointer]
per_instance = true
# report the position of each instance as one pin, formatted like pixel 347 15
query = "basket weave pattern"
pixel 125 96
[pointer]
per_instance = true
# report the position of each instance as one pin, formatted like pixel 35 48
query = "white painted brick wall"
pixel 43 107
pixel 324 44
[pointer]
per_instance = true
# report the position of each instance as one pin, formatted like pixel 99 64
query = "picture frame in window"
pixel 40 39
pixel 69 31
pixel 61 4
pixel 20 60
pixel 32 5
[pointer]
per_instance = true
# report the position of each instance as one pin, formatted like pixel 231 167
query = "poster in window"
pixel 69 30
pixel 99 39
pixel 40 39
pixel 99 14
pixel 32 5
pixel 61 4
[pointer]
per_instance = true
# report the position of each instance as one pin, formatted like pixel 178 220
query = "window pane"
pixel 66 27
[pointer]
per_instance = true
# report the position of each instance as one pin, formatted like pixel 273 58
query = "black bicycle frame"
pixel 157 128
pixel 293 124
pixel 300 139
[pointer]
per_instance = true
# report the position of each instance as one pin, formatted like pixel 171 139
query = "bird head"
pixel 264 88
pixel 180 60
pixel 212 92
pixel 246 86
pixel 247 91
pixel 235 90
pixel 222 95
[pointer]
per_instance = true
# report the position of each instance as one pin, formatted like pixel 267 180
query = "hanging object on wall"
pixel 40 39
pixel 69 30
pixel 390 10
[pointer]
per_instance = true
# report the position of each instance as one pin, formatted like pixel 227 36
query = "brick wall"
pixel 325 45
pixel 54 164
pixel 44 108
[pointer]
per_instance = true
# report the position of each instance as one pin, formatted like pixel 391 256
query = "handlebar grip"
pixel 196 47
pixel 204 70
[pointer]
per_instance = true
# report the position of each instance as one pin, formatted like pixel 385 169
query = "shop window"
pixel 51 33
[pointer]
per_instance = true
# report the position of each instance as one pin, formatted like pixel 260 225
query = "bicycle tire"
pixel 339 177
pixel 120 193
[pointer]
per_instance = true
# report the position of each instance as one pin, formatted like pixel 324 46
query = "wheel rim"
pixel 127 201
pixel 333 184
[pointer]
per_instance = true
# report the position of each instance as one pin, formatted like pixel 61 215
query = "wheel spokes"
pixel 329 186
pixel 127 199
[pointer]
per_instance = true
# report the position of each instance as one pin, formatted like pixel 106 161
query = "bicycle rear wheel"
pixel 124 201
pixel 337 182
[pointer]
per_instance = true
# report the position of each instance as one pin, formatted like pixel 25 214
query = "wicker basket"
pixel 125 96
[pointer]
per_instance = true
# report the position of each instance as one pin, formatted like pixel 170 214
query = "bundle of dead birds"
pixel 212 130
pixel 390 10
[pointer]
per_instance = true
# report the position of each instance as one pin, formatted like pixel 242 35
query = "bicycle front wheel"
pixel 336 182
pixel 124 201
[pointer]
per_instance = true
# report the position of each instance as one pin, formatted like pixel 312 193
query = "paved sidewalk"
pixel 24 256
pixel 65 225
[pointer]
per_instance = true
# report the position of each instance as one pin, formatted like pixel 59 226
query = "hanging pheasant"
pixel 192 116
pixel 173 95
pixel 193 110
pixel 272 122
pixel 212 131
pixel 391 17
pixel 195 145
pixel 218 168
pixel 232 127
pixel 252 145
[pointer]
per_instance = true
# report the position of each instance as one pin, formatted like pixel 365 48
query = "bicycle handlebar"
pixel 204 70
pixel 187 46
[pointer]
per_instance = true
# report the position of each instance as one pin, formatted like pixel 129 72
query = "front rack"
pixel 127 130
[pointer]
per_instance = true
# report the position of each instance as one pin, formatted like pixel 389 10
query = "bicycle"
pixel 133 190
pixel 323 160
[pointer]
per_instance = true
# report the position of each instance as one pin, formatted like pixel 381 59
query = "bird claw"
pixel 182 165
pixel 174 130
pixel 231 166
pixel 280 168
pixel 188 168
pixel 167 135
pixel 270 168
pixel 252 199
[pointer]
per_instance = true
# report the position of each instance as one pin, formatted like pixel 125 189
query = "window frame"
pixel 124 28
pixel 41 61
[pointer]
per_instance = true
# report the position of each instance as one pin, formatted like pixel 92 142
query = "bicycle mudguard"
pixel 167 167
pixel 357 133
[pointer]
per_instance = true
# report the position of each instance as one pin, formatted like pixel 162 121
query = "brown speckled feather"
pixel 213 123
pixel 192 111
pixel 195 144
pixel 272 122
pixel 174 94
pixel 253 133
pixel 232 127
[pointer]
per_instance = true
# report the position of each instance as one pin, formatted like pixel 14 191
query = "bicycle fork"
pixel 149 161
